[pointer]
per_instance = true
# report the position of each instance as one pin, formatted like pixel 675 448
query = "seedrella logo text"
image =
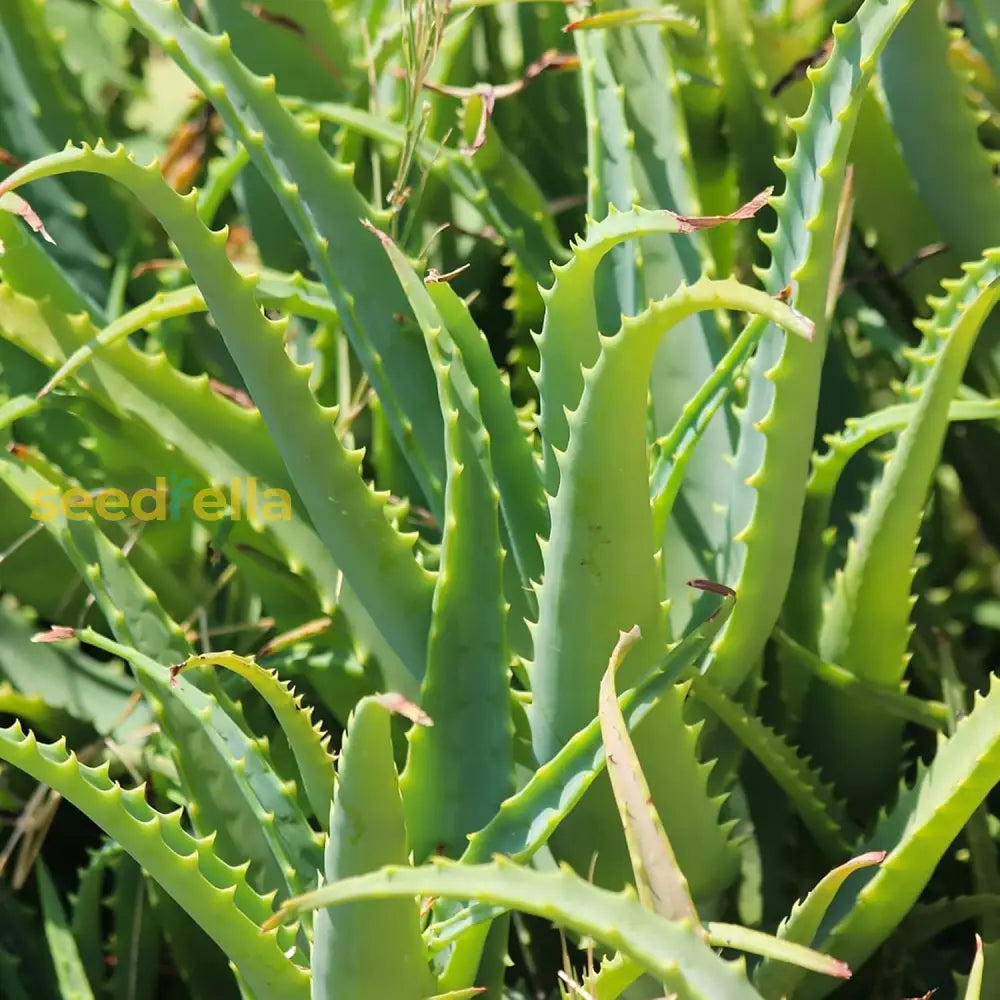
pixel 166 500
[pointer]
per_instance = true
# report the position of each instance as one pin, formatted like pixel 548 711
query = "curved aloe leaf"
pixel 319 197
pixel 866 626
pixel 528 818
pixel 777 426
pixel 393 587
pixel 914 834
pixel 189 869
pixel 669 950
pixel 776 979
pixel 601 520
pixel 232 787
pixel 371 948
pixel 308 742
pixel 659 881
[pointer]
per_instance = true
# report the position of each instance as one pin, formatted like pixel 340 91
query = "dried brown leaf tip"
pixel 489 93
pixel 404 707
pixel 14 203
pixel 435 277
pixel 712 587
pixel 58 633
pixel 237 396
pixel 691 223
pixel 384 238
pixel 489 101
pixel 159 264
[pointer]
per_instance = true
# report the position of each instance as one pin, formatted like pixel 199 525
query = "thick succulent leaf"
pixel 372 947
pixel 936 130
pixel 214 893
pixel 393 587
pixel 232 788
pixel 658 164
pixel 602 520
pixel 528 818
pixel 809 796
pixel 803 611
pixel 776 426
pixel 669 950
pixel 569 343
pixel 308 743
pixel 866 626
pixel 318 196
pixel 775 979
pixel 70 973
pixel 459 770
pixel 518 478
pixel 915 834
pixel 659 880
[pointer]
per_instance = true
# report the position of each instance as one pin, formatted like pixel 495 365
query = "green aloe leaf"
pixel 668 950
pixel 371 947
pixel 214 893
pixel 326 476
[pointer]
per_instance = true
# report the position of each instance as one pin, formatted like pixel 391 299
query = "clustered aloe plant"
pixel 592 647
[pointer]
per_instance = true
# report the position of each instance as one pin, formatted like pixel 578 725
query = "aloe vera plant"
pixel 411 541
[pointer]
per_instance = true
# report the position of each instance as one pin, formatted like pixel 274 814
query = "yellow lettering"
pixel 210 505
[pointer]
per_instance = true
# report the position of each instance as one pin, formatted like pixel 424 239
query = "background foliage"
pixel 561 327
